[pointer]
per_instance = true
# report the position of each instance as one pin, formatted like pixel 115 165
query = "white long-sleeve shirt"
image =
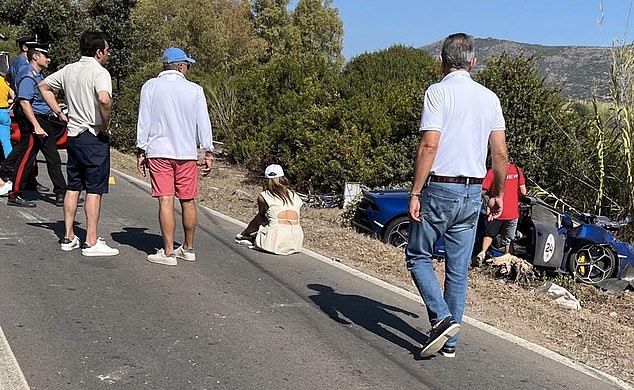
pixel 173 118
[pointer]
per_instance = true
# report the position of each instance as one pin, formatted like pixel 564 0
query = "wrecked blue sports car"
pixel 546 237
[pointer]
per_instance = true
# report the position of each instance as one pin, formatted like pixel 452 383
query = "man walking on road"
pixel 88 89
pixel 460 117
pixel 173 121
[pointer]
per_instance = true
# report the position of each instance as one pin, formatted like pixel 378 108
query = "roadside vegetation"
pixel 280 91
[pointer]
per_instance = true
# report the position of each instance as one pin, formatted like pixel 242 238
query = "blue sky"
pixel 371 25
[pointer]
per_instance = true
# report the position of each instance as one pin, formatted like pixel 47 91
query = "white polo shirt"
pixel 173 118
pixel 81 82
pixel 465 113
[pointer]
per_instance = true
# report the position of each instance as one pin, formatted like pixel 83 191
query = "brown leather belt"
pixel 456 179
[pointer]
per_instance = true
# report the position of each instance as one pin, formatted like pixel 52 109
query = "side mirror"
pixel 566 221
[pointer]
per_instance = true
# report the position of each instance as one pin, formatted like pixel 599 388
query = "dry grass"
pixel 600 335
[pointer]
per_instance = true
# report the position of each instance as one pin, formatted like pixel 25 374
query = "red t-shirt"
pixel 514 179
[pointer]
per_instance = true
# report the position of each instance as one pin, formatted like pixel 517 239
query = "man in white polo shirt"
pixel 460 119
pixel 88 89
pixel 173 121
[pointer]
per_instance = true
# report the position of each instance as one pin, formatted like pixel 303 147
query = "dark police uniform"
pixel 30 144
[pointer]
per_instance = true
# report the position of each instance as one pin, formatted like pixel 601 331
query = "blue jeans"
pixel 5 131
pixel 449 210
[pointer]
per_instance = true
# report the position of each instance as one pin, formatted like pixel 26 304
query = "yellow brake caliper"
pixel 581 259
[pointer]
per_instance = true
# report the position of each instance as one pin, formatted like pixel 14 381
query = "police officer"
pixel 20 60
pixel 37 129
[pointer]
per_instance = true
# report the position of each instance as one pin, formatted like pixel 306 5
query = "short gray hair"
pixel 458 51
pixel 170 66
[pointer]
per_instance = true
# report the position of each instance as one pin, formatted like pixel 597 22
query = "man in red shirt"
pixel 506 223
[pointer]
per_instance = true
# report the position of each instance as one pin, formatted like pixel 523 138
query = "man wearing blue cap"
pixel 173 121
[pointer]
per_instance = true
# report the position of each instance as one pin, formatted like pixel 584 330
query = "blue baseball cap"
pixel 174 54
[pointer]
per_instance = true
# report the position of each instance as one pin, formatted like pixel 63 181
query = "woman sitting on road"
pixel 276 227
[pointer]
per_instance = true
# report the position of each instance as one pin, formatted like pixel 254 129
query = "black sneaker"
pixel 448 352
pixel 20 202
pixel 59 200
pixel 440 332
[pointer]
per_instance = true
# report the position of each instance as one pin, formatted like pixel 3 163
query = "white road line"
pixel 593 372
pixel 31 217
pixel 11 376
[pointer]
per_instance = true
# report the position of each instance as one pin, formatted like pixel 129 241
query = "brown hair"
pixel 278 187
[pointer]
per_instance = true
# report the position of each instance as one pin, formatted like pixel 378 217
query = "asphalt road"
pixel 235 319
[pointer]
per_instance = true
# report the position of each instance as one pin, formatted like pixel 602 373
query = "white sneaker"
pixel 99 249
pixel 244 240
pixel 68 245
pixel 6 187
pixel 185 254
pixel 160 258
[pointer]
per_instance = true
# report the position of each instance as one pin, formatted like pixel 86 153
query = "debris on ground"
pixel 512 267
pixel 616 285
pixel 560 295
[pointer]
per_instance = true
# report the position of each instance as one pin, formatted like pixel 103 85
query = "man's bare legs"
pixel 70 210
pixel 190 220
pixel 486 243
pixel 92 209
pixel 166 220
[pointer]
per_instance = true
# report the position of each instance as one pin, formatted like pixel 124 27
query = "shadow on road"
pixel 137 238
pixel 59 229
pixel 369 314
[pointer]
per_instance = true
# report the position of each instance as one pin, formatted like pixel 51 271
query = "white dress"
pixel 280 236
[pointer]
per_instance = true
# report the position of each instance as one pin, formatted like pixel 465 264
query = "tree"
pixel 545 134
pixel 219 34
pixel 60 23
pixel 273 23
pixel 381 96
pixel 12 11
pixel 113 18
pixel 319 29
pixel 357 125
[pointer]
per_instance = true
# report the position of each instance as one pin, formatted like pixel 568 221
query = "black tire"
pixel 396 233
pixel 592 263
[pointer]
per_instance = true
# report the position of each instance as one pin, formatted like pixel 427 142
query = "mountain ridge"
pixel 575 70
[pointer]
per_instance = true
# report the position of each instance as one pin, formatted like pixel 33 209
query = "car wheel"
pixel 396 233
pixel 592 263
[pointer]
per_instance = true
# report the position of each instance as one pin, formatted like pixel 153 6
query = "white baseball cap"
pixel 273 171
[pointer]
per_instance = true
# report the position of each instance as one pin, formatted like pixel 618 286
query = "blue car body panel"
pixel 379 208
pixel 598 235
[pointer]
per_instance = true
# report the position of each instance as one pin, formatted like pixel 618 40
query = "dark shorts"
pixel 88 165
pixel 504 228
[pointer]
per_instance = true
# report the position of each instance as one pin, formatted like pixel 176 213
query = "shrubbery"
pixel 549 137
pixel 278 91
pixel 330 126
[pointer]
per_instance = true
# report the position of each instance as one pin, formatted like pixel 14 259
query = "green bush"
pixel 125 110
pixel 328 126
pixel 546 135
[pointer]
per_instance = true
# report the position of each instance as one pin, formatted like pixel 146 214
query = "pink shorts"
pixel 173 177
